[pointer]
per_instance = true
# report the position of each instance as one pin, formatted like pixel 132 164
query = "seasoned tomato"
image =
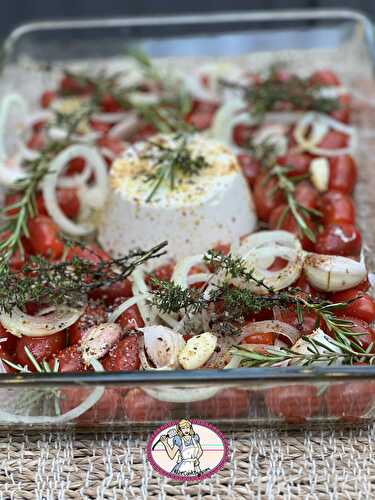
pixel 228 403
pixel 108 104
pixel 67 200
pixel 250 168
pixel 90 252
pixel 242 134
pixel 367 336
pixel 349 400
pixel 325 77
pixel 44 237
pixel 40 347
pixel 36 141
pixel 70 360
pixel 6 356
pixel 342 174
pixel 202 114
pixel 131 319
pixel 294 402
pixel 7 340
pixel 307 326
pixel 298 163
pixel 267 338
pixel 266 196
pixel 104 410
pixel 342 114
pixel 72 86
pixel 124 356
pixel 120 289
pixel 95 313
pixel 361 306
pixel 46 98
pixel 138 406
pixel 337 207
pixel 17 260
pixel 339 239
pixel 282 218
pixel 334 140
pixel 306 195
pixel 75 166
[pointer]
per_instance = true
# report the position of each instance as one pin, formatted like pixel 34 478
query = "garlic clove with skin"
pixel 333 273
pixel 161 348
pixel 197 351
pixel 319 173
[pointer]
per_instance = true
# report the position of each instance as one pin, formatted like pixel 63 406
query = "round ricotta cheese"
pixel 202 208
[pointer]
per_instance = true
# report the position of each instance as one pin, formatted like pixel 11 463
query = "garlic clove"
pixel 161 347
pixel 197 351
pixel 333 273
pixel 98 340
pixel 319 173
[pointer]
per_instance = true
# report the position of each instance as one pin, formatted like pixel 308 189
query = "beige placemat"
pixel 267 464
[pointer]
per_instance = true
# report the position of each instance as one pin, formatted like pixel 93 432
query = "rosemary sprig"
pixel 41 281
pixel 169 162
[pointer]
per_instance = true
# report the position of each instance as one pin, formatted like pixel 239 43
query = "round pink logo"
pixel 187 450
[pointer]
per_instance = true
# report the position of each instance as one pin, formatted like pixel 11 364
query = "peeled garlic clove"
pixel 333 273
pixel 161 347
pixel 197 351
pixel 324 345
pixel 98 340
pixel 319 171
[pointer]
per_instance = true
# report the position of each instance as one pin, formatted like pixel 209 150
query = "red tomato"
pixel 290 316
pixel 260 338
pixel 144 133
pixel 67 200
pixel 36 141
pixel 342 114
pixel 104 410
pixel 277 264
pixel 109 294
pixel 76 166
pixel 266 197
pixel 6 356
pixel 339 239
pixel 306 195
pixel 201 115
pixel 99 126
pixel 7 340
pixel 293 402
pixel 305 286
pixel 363 307
pixel 298 162
pixel 44 237
pixel 91 252
pixel 109 104
pixel 70 360
pixel 349 400
pixel 40 347
pixel 324 77
pixel 342 174
pixel 367 336
pixel 124 356
pixel 288 223
pixel 164 272
pixel 94 314
pixel 336 208
pixel 223 248
pixel 115 145
pixel 17 260
pixel 242 134
pixel 131 319
pixel 139 407
pixel 70 85
pixel 334 140
pixel 46 98
pixel 228 403
pixel 11 199
pixel 250 168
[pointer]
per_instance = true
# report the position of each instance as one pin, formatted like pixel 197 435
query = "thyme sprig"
pixel 67 282
pixel 170 162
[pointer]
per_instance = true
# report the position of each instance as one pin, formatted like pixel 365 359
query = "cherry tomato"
pixel 324 77
pixel 40 347
pixel 105 410
pixel 114 145
pixel 91 252
pixel 67 200
pixel 124 356
pixel 109 294
pixel 290 316
pixel 367 336
pixel 109 104
pixel 44 237
pixel 336 208
pixel 131 319
pixel 228 403
pixel 281 218
pixel 6 356
pixel 94 314
pixel 223 248
pixel 349 400
pixel 46 98
pixel 70 85
pixel 75 166
pixel 363 307
pixel 266 196
pixel 306 195
pixel 7 340
pixel 342 174
pixel 138 406
pixel 293 402
pixel 11 199
pixel 36 141
pixel 201 114
pixel 70 360
pixel 143 133
pixel 17 260
pixel 298 162
pixel 100 126
pixel 250 168
pixel 334 140
pixel 164 272
pixel 342 114
pixel 242 134
pixel 339 239
pixel 303 285
pixel 277 264
pixel 260 338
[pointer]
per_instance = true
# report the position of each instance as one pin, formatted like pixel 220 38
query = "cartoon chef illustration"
pixel 186 445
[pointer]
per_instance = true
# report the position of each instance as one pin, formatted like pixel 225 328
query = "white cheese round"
pixel 204 208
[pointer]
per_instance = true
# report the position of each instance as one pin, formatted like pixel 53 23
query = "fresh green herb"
pixel 169 297
pixel 67 282
pixel 169 162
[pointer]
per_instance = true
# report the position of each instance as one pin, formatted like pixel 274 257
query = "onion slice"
pixel 50 183
pixel 280 328
pixel 19 323
pixel 183 266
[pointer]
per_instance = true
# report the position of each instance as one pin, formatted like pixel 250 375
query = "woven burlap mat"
pixel 322 464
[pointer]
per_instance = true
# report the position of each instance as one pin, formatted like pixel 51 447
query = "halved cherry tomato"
pixel 114 145
pixel 70 360
pixel 337 207
pixel 298 162
pixel 260 338
pixel 7 340
pixel 109 104
pixel 109 294
pixel 266 196
pixel 342 174
pixel 228 403
pixel 334 140
pixel 76 166
pixel 339 239
pixel 293 402
pixel 36 141
pixel 277 264
pixel 282 218
pixel 250 168
pixel 40 347
pixel 363 307
pixel 131 319
pixel 46 98
pixel 324 77
pixel 350 400
pixel 124 356
pixel 306 195
pixel 91 252
pixel 303 285
pixel 138 406
pixel 67 200
pixel 290 316
pixel 44 237
pixel 242 134
pixel 201 114
pixel 100 126
pixel 17 260
pixel 343 113
pixel 163 273
pixel 143 133
pixel 71 86
pixel 367 336
pixel 95 313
